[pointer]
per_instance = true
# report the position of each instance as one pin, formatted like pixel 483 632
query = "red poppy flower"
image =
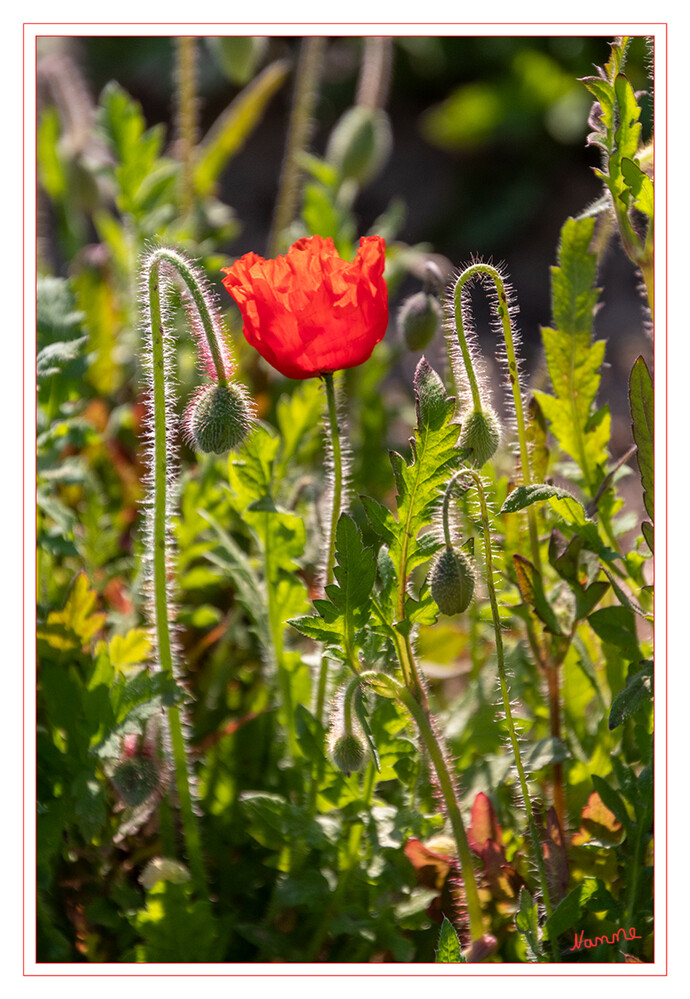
pixel 310 312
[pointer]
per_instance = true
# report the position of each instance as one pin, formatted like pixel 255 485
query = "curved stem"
pixel 505 694
pixel 513 374
pixel 159 540
pixel 183 268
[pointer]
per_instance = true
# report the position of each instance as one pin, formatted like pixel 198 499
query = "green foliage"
pixel 448 951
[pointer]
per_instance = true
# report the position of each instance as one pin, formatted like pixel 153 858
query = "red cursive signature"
pixel 587 942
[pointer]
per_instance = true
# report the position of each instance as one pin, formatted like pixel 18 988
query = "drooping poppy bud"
pixel 218 418
pixel 360 143
pixel 452 582
pixel 419 319
pixel 348 753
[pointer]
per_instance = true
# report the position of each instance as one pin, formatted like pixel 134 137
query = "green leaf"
pixel 636 693
pixel 616 625
pixel 532 590
pixel 434 458
pixel 640 186
pixel 232 129
pixel 641 396
pixel 591 895
pixel 527 923
pixel 449 950
pixel 573 361
pixel 347 608
pixel 524 496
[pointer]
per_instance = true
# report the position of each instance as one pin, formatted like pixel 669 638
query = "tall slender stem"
pixel 337 460
pixel 505 694
pixel 187 114
pixel 308 73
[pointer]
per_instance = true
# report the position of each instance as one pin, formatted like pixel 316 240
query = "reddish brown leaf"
pixel 483 825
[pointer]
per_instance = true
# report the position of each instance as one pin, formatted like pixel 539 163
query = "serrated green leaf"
pixel 449 950
pixel 640 185
pixel 434 458
pixel 229 133
pixel 573 361
pixel 641 394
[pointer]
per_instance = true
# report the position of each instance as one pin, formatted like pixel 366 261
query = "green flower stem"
pixel 275 625
pixel 505 694
pixel 299 128
pixel 337 458
pixel 187 116
pixel 504 316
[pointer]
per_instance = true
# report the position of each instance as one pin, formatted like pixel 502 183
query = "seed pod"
pixel 218 419
pixel 348 753
pixel 480 433
pixel 419 319
pixel 135 780
pixel 452 582
pixel 360 143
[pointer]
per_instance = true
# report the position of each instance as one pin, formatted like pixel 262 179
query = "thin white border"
pixel 288 972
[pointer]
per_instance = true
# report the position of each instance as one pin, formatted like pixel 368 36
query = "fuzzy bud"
pixel 218 419
pixel 481 434
pixel 452 582
pixel 360 143
pixel 419 319
pixel 135 780
pixel 348 753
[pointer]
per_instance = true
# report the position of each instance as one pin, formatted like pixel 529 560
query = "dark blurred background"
pixel 489 154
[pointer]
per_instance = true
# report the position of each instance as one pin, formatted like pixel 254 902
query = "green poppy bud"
pixel 480 433
pixel 452 582
pixel 419 319
pixel 360 143
pixel 218 419
pixel 348 753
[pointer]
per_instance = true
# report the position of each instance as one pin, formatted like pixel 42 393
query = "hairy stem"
pixel 503 312
pixel 337 458
pixel 190 826
pixel 505 694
